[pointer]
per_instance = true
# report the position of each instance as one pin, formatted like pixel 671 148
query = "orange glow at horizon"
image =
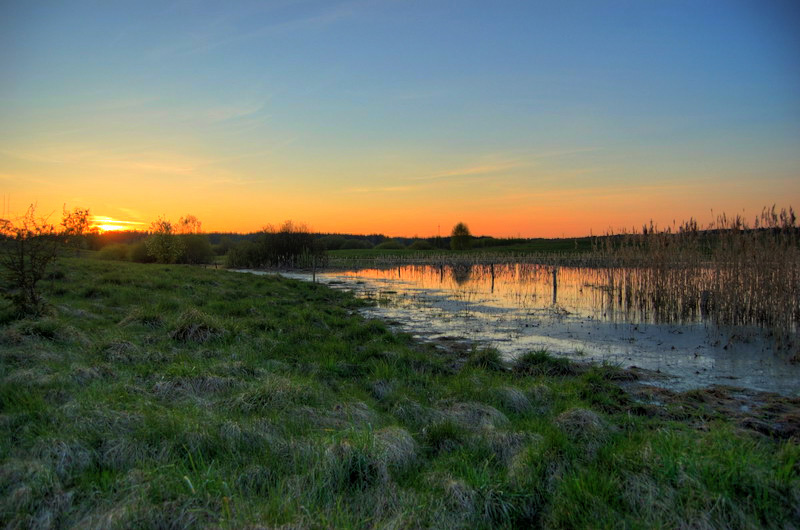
pixel 109 224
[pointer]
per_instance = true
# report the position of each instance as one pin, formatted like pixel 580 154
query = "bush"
pixel 28 246
pixel 241 254
pixel 390 245
pixel 163 245
pixel 356 244
pixel 196 249
pixel 331 242
pixel 117 251
pixel 288 246
pixel 138 253
pixel 420 244
pixel 224 246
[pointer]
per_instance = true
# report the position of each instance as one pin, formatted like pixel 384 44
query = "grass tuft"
pixel 486 358
pixel 542 363
pixel 196 326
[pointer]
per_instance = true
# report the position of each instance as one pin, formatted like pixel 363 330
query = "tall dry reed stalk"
pixel 730 272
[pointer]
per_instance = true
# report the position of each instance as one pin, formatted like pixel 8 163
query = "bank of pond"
pixel 176 396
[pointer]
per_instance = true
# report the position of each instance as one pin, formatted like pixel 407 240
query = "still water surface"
pixel 519 308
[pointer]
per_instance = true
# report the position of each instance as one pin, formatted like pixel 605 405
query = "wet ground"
pixel 516 315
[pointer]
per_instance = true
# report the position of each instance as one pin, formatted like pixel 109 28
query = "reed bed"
pixel 729 273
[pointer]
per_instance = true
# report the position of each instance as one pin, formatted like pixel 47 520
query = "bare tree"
pixel 76 224
pixel 188 225
pixel 30 245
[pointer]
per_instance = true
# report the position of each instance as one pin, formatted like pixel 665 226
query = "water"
pixel 519 308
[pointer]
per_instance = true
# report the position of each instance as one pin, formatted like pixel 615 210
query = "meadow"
pixel 171 396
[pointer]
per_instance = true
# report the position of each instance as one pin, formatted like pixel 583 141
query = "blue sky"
pixel 526 118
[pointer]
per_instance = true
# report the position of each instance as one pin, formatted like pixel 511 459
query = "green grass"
pixel 536 246
pixel 172 396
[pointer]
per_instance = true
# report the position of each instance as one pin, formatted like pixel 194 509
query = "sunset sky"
pixel 400 117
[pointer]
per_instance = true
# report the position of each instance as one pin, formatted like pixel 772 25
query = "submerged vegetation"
pixel 171 396
pixel 728 273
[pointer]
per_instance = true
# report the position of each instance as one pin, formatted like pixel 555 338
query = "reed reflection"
pixel 628 294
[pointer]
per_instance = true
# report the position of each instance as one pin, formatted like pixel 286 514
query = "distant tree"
pixel 76 225
pixel 195 246
pixel 331 242
pixel 188 225
pixel 356 244
pixel 460 238
pixel 421 244
pixel 390 244
pixel 222 248
pixel 286 246
pixel 195 249
pixel 28 246
pixel 162 244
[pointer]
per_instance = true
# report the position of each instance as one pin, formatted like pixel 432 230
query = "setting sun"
pixel 421 264
pixel 109 224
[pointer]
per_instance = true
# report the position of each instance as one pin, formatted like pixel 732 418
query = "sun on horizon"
pixel 105 223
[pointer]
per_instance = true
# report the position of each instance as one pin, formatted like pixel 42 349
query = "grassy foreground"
pixel 172 397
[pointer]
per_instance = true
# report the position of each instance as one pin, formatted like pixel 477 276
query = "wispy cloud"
pixel 381 189
pixel 104 219
pixel 223 32
pixel 138 161
pixel 131 213
pixel 564 152
pixel 468 171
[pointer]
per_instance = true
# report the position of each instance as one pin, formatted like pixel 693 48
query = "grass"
pixel 534 246
pixel 172 396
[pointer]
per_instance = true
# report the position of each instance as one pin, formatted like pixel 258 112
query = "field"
pixel 176 396
pixel 534 246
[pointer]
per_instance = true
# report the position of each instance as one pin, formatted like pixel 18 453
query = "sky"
pixel 519 118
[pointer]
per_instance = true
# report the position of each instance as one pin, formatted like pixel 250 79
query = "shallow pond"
pixel 572 313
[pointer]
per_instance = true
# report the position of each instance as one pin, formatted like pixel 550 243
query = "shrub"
pixel 162 245
pixel 356 244
pixel 290 245
pixel 421 244
pixel 138 252
pixel 331 242
pixel 391 244
pixel 27 249
pixel 196 249
pixel 117 251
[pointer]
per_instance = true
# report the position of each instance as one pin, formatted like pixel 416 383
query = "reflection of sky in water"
pixel 515 313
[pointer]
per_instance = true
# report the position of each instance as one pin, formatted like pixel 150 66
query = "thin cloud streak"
pixel 104 219
pixel 213 40
pixel 476 170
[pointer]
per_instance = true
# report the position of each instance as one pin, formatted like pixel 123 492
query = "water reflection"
pixel 587 314
pixel 584 291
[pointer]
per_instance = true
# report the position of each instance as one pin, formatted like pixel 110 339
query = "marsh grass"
pixel 199 398
pixel 730 273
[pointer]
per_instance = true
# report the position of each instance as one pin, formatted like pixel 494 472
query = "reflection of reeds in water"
pixel 729 274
